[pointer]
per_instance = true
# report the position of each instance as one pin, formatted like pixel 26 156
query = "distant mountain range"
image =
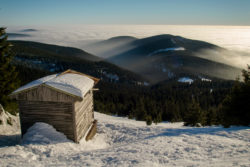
pixel 162 57
pixel 40 50
pixel 17 35
pixel 22 33
pixel 153 59
pixel 54 58
pixel 29 30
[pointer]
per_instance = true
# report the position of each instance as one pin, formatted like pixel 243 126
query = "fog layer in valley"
pixel 234 58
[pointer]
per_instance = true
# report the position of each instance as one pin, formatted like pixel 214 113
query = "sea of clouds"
pixel 234 38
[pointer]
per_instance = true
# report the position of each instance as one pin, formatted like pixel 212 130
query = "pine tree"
pixel 211 117
pixel 8 75
pixel 193 115
pixel 235 109
pixel 148 120
pixel 140 110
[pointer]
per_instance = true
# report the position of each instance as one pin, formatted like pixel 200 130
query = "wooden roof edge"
pixel 13 94
pixel 69 71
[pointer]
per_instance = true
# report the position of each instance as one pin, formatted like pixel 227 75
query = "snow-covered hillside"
pixel 124 142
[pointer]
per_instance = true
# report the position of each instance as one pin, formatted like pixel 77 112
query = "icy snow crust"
pixel 124 142
pixel 73 84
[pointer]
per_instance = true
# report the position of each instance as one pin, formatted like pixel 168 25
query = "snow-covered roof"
pixel 69 82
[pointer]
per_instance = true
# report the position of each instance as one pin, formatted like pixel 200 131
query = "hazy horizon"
pixel 230 37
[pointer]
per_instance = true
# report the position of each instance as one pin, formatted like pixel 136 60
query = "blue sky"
pixel 75 12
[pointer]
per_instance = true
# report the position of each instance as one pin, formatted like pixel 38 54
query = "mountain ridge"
pixel 172 54
pixel 46 58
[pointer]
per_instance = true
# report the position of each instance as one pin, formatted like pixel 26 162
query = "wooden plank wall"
pixel 44 93
pixel 84 115
pixel 57 114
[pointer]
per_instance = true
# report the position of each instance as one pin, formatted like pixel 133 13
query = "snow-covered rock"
pixel 9 128
pixel 124 142
pixel 9 124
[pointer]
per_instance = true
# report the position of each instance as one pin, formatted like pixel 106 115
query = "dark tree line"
pixel 164 102
pixel 235 108
pixel 198 104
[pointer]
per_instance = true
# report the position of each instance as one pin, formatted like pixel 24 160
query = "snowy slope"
pixel 124 142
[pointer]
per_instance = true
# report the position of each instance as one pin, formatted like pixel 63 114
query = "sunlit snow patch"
pixel 167 49
pixel 185 80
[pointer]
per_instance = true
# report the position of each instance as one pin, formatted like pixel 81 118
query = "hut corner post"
pixel 92 131
pixel 74 122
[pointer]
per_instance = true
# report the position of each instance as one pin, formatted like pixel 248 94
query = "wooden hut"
pixel 63 100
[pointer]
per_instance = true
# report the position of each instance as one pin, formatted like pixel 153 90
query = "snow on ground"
pixel 186 80
pixel 205 79
pixel 124 142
